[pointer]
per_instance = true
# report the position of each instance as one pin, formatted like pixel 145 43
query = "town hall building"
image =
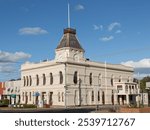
pixel 70 79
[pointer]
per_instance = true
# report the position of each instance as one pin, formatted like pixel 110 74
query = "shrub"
pixel 133 105
pixel 4 103
pixel 141 105
pixel 29 106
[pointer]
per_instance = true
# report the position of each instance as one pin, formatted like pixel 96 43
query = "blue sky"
pixel 116 31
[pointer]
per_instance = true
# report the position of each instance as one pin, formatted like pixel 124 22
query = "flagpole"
pixel 68 15
pixel 106 77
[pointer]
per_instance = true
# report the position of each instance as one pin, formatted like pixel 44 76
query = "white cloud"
pixel 6 69
pixel 13 57
pixel 107 38
pixel 8 61
pixel 79 7
pixel 98 27
pixel 32 31
pixel 141 67
pixel 144 63
pixel 118 31
pixel 113 25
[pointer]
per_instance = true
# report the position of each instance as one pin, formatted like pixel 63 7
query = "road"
pixel 48 110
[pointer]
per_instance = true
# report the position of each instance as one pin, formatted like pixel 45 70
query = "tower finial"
pixel 68 15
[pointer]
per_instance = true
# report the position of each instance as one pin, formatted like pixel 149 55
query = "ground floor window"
pixel 62 95
pixel 98 96
pixel 103 97
pixel 92 96
pixel 112 98
pixel 23 96
pixel 30 96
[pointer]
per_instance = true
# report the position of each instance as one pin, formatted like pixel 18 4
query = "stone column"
pixel 96 95
pixel 138 100
pixel 127 99
pixel 12 100
pixel 32 97
pixel 100 96
pixel 120 100
pixel 17 99
pixel 115 98
pixel 89 97
pixel 47 94
pixel 40 97
pixel 128 90
pixel 21 97
pixel 108 96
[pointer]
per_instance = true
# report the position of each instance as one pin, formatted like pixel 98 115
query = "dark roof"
pixel 69 39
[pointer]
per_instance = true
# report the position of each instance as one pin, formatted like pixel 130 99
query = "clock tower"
pixel 69 47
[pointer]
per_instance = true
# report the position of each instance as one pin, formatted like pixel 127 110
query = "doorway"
pixel 103 98
pixel 51 99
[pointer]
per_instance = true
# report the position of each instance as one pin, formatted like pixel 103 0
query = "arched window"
pixel 130 89
pixel 26 97
pixel 128 80
pixel 30 96
pixel 61 77
pixel 24 80
pixel 30 80
pixel 51 78
pixel 62 95
pixel 90 79
pixel 75 78
pixel 27 80
pixel 37 80
pixel 120 78
pixel 103 97
pixel 98 96
pixel 112 98
pixel 22 96
pixel 44 79
pixel 92 95
pixel 112 80
pixel 99 79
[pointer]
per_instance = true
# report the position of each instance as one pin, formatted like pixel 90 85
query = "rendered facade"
pixel 12 91
pixel 72 80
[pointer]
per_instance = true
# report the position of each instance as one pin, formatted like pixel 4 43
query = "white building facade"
pixel 72 80
pixel 12 91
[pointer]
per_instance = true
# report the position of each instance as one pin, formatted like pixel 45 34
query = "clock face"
pixel 76 57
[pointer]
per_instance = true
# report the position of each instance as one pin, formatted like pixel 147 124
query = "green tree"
pixel 143 83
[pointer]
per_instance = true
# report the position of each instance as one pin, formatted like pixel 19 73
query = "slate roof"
pixel 69 39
